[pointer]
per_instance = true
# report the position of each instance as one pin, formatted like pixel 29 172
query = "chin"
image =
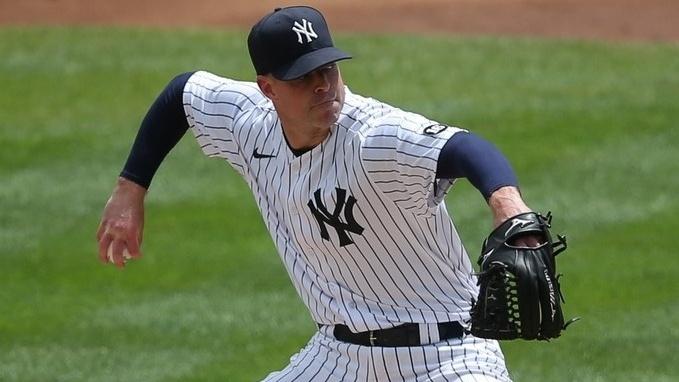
pixel 331 114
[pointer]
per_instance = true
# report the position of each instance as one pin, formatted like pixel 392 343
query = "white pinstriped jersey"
pixel 358 220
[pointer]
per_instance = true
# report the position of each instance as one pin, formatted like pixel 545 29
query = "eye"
pixel 299 80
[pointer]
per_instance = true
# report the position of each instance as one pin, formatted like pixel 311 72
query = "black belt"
pixel 402 335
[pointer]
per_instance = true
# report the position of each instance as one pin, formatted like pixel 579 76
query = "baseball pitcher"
pixel 351 190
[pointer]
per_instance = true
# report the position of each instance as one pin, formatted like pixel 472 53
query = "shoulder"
pixel 371 118
pixel 363 108
pixel 362 114
pixel 210 87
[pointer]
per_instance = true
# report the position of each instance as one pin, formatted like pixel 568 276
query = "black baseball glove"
pixel 519 294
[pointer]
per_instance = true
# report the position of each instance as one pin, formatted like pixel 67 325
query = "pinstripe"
pixel 398 362
pixel 405 258
pixel 442 362
pixel 348 357
pixel 439 229
pixel 453 358
pixel 244 95
pixel 301 223
pixel 303 237
pixel 384 360
pixel 428 270
pixel 320 365
pixel 464 361
pixel 397 151
pixel 407 264
pixel 309 361
pixel 379 239
pixel 246 141
pixel 442 272
pixel 240 130
pixel 218 83
pixel 360 363
pixel 411 360
pixel 211 102
pixel 361 253
pixel 371 352
pixel 332 371
pixel 303 360
pixel 218 139
pixel 396 161
pixel 412 143
pixel 420 359
pixel 206 114
pixel 396 172
pixel 379 280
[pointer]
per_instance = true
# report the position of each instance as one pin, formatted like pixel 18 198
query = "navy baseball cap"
pixel 291 42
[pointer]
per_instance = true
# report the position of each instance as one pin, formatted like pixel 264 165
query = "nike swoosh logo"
pixel 517 222
pixel 257 155
pixel 485 256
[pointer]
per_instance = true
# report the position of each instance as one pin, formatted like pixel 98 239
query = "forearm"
pixel 160 131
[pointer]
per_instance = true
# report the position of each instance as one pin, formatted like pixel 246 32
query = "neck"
pixel 304 138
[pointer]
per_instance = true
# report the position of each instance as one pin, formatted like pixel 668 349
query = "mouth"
pixel 325 102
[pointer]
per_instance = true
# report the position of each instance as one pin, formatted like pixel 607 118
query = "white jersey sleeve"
pixel 400 154
pixel 213 106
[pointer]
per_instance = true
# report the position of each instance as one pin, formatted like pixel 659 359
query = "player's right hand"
pixel 122 224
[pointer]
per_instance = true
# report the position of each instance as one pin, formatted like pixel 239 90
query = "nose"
pixel 322 84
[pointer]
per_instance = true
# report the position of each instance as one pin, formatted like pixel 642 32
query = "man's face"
pixel 314 100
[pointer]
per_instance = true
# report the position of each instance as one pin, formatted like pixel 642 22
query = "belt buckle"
pixel 371 338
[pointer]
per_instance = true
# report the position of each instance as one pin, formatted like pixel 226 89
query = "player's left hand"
pixel 531 241
pixel 519 290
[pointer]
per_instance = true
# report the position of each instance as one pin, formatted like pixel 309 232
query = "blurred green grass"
pixel 591 129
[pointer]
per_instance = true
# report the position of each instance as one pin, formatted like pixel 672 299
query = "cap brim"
pixel 310 62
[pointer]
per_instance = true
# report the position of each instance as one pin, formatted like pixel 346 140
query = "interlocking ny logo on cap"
pixel 304 29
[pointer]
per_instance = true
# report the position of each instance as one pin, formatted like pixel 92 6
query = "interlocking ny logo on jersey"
pixel 323 216
pixel 304 29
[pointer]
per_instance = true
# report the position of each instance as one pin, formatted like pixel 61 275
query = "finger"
pixel 134 250
pixel 528 241
pixel 104 244
pixel 100 230
pixel 140 234
pixel 115 253
pixel 133 245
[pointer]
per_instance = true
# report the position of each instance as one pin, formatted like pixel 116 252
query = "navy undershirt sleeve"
pixel 466 155
pixel 164 125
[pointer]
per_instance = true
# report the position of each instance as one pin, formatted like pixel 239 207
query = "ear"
pixel 265 84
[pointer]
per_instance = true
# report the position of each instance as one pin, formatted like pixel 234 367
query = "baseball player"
pixel 351 190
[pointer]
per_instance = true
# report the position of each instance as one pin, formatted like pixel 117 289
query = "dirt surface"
pixel 650 20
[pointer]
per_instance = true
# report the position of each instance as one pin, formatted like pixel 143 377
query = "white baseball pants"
pixel 459 359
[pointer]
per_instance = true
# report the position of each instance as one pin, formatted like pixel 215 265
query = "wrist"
pixel 506 202
pixel 129 187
